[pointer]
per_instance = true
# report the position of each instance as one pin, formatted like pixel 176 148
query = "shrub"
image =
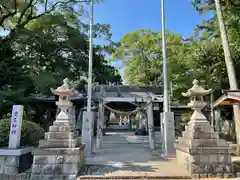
pixel 185 117
pixel 30 135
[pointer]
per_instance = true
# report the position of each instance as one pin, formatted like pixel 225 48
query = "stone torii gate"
pixel 147 96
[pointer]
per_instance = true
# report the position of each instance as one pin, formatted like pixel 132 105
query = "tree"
pixel 187 59
pixel 226 48
pixel 13 78
pixel 229 65
pixel 140 52
pixel 229 7
pixel 49 42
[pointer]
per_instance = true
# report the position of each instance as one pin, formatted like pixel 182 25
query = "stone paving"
pixel 124 154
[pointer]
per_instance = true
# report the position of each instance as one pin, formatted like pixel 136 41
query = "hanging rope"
pixel 127 113
pixel 103 93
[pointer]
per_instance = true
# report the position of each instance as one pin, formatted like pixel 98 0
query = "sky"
pixel 125 16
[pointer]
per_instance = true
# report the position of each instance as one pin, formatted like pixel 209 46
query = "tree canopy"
pixel 42 42
pixel 199 56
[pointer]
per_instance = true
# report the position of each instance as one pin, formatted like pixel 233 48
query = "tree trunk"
pixel 229 64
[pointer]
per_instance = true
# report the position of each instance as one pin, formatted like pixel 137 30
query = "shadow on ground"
pixel 100 170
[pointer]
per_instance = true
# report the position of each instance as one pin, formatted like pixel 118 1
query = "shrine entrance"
pixel 117 148
pixel 123 106
pixel 125 116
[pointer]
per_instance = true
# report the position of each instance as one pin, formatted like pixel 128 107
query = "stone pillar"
pixel 120 121
pixel 162 132
pixel 217 117
pixel 73 113
pixel 100 125
pixel 168 133
pixel 16 127
pixel 151 126
pixel 10 164
pixel 141 117
pixel 87 129
pixel 79 122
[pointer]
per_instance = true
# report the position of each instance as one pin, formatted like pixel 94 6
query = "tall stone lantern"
pixel 60 155
pixel 199 149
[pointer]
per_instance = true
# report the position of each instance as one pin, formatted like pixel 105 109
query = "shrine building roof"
pixel 77 96
pixel 229 97
pixel 122 92
pixel 104 91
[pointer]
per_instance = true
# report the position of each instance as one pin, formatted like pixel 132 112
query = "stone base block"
pixel 60 135
pixel 62 123
pixel 202 142
pixel 59 143
pixel 58 155
pixel 211 175
pixel 61 128
pixel 191 135
pixel 195 176
pixel 205 163
pixel 56 159
pixel 228 175
pixel 220 175
pixel 21 176
pixel 58 151
pixel 54 177
pixel 203 176
pixel 202 150
pixel 54 162
pixel 55 169
pixel 10 160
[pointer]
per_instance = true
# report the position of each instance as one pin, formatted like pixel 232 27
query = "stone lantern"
pixel 197 103
pixel 64 93
pixel 200 150
pixel 60 155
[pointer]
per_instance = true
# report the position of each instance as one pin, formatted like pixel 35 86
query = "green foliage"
pixel 198 57
pixel 141 54
pixel 137 117
pixel 43 47
pixel 231 12
pixel 30 135
pixel 13 78
pixel 185 117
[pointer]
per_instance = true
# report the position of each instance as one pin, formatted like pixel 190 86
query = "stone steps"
pixel 129 139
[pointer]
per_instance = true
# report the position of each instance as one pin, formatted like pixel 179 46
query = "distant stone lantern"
pixel 64 93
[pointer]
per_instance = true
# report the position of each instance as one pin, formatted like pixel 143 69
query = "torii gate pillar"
pixel 151 133
pixel 100 124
